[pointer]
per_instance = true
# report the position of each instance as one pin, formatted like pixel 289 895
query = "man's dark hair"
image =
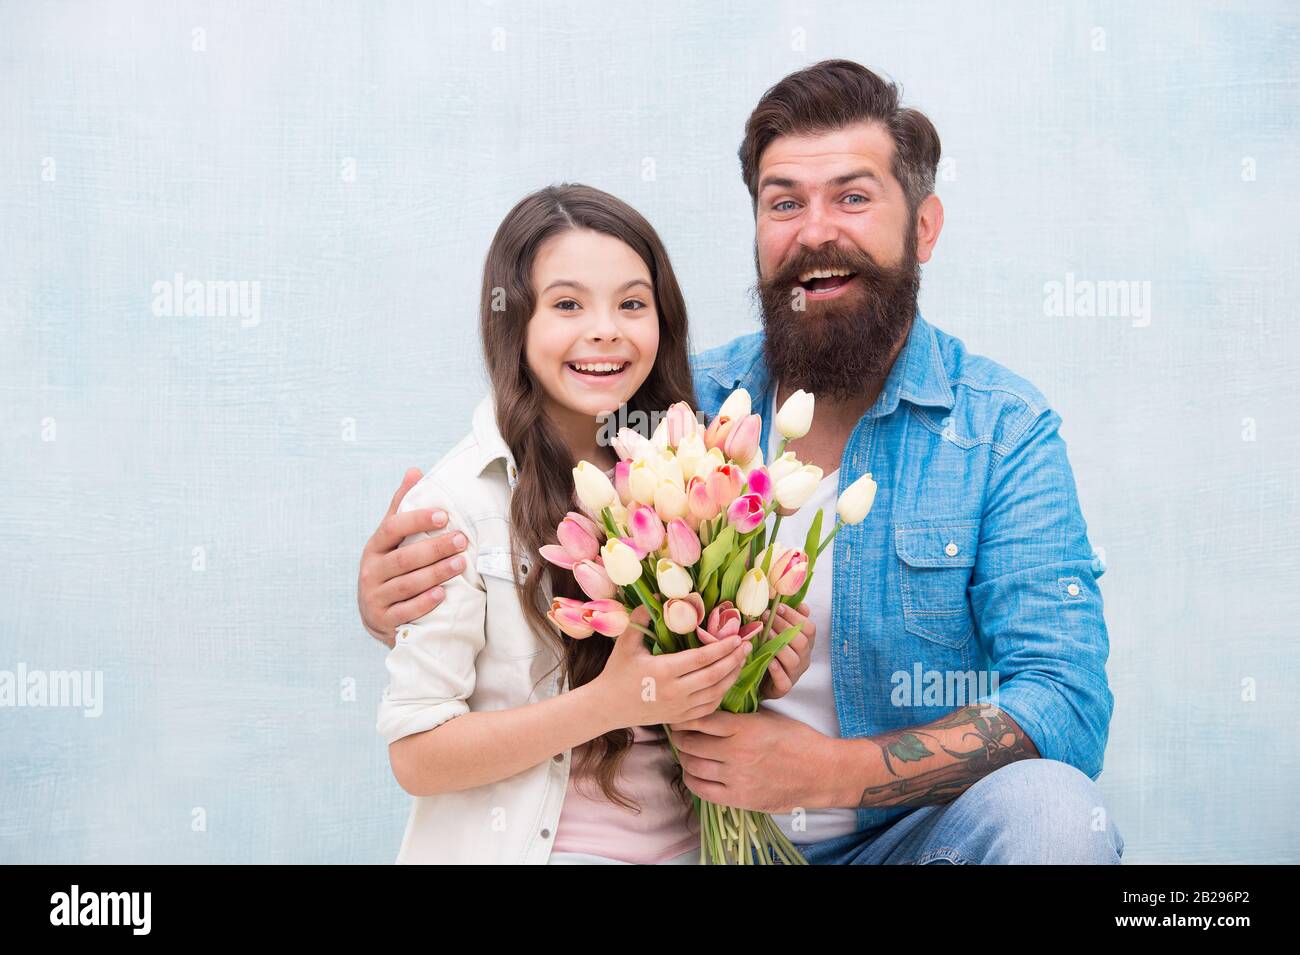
pixel 836 93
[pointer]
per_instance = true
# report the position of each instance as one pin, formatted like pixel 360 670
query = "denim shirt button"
pixel 1072 590
pixel 951 549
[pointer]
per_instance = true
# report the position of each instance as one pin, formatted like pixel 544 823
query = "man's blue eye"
pixel 855 196
pixel 784 202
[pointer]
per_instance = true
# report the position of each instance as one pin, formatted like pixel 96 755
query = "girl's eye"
pixel 565 303
pixel 634 304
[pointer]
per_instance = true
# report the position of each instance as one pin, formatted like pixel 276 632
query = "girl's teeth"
pixel 599 367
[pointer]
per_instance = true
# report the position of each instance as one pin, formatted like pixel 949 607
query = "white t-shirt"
pixel 812 699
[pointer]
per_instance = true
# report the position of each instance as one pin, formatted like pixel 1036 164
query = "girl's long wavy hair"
pixel 544 492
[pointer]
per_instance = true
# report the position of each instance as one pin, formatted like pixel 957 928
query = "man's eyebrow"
pixel 569 283
pixel 857 174
pixel 784 183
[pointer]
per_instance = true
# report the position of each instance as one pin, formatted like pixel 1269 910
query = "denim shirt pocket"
pixel 936 557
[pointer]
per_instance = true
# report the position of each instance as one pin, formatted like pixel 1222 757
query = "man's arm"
pixel 927 764
pixel 396 586
pixel 1038 611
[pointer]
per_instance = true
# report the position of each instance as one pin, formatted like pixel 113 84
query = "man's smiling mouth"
pixel 825 280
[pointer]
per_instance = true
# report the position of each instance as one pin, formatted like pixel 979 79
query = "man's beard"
pixel 835 348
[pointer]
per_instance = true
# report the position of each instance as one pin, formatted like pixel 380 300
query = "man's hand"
pixel 761 761
pixel 399 584
pixel 788 665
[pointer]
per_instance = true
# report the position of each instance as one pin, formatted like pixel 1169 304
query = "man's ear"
pixel 929 223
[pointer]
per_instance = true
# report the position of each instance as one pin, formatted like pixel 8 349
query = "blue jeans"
pixel 1032 811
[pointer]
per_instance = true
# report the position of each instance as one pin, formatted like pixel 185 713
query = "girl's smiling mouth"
pixel 598 371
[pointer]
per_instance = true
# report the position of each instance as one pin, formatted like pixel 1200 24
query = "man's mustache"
pixel 861 263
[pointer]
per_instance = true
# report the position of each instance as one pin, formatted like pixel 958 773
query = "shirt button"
pixel 559 757
pixel 546 833
pixel 404 633
pixel 1072 590
pixel 951 549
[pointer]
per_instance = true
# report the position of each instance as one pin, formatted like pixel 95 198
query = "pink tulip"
pixel 683 614
pixel 715 435
pixel 701 503
pixel 760 483
pixel 567 614
pixel 646 530
pixel 788 571
pixel 742 439
pixel 579 536
pixel 608 617
pixel 725 484
pixel 622 471
pixel 746 513
pixel 725 621
pixel 593 580
pixel 681 422
pixel 683 544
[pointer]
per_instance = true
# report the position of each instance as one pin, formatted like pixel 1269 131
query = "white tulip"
pixel 795 417
pixel 793 490
pixel 855 503
pixel 621 562
pixel 668 468
pixel 784 466
pixel 642 481
pixel 689 454
pixel 752 597
pixel 631 445
pixel 736 406
pixel 593 487
pixel 669 501
pixel 674 579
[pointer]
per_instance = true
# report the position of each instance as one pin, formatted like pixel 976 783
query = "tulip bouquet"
pixel 677 545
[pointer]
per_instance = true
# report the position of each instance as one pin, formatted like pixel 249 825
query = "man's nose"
pixel 818 228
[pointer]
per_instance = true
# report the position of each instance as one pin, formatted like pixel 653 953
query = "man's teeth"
pixel 823 274
pixel 600 366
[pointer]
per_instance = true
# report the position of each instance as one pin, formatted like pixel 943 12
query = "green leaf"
pixel 716 554
pixel 710 594
pixel 731 578
pixel 751 674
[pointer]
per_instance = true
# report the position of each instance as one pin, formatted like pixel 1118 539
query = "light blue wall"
pixel 1124 155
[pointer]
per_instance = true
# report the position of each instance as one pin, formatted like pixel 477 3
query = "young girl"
pixel 522 745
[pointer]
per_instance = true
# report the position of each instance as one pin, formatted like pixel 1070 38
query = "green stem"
pixel 835 530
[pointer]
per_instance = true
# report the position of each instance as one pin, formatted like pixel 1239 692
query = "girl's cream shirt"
pixel 475 651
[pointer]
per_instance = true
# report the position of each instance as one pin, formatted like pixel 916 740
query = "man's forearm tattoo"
pixel 977 739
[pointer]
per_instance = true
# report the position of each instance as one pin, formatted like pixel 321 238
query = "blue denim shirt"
pixel 975 555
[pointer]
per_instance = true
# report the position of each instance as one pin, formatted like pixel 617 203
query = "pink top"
pixel 666 826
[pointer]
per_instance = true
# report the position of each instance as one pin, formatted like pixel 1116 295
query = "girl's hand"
pixel 638 688
pixel 788 665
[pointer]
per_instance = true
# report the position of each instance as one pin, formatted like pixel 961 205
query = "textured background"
pixel 355 160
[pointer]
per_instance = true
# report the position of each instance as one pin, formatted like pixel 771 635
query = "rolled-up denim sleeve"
pixel 1036 601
